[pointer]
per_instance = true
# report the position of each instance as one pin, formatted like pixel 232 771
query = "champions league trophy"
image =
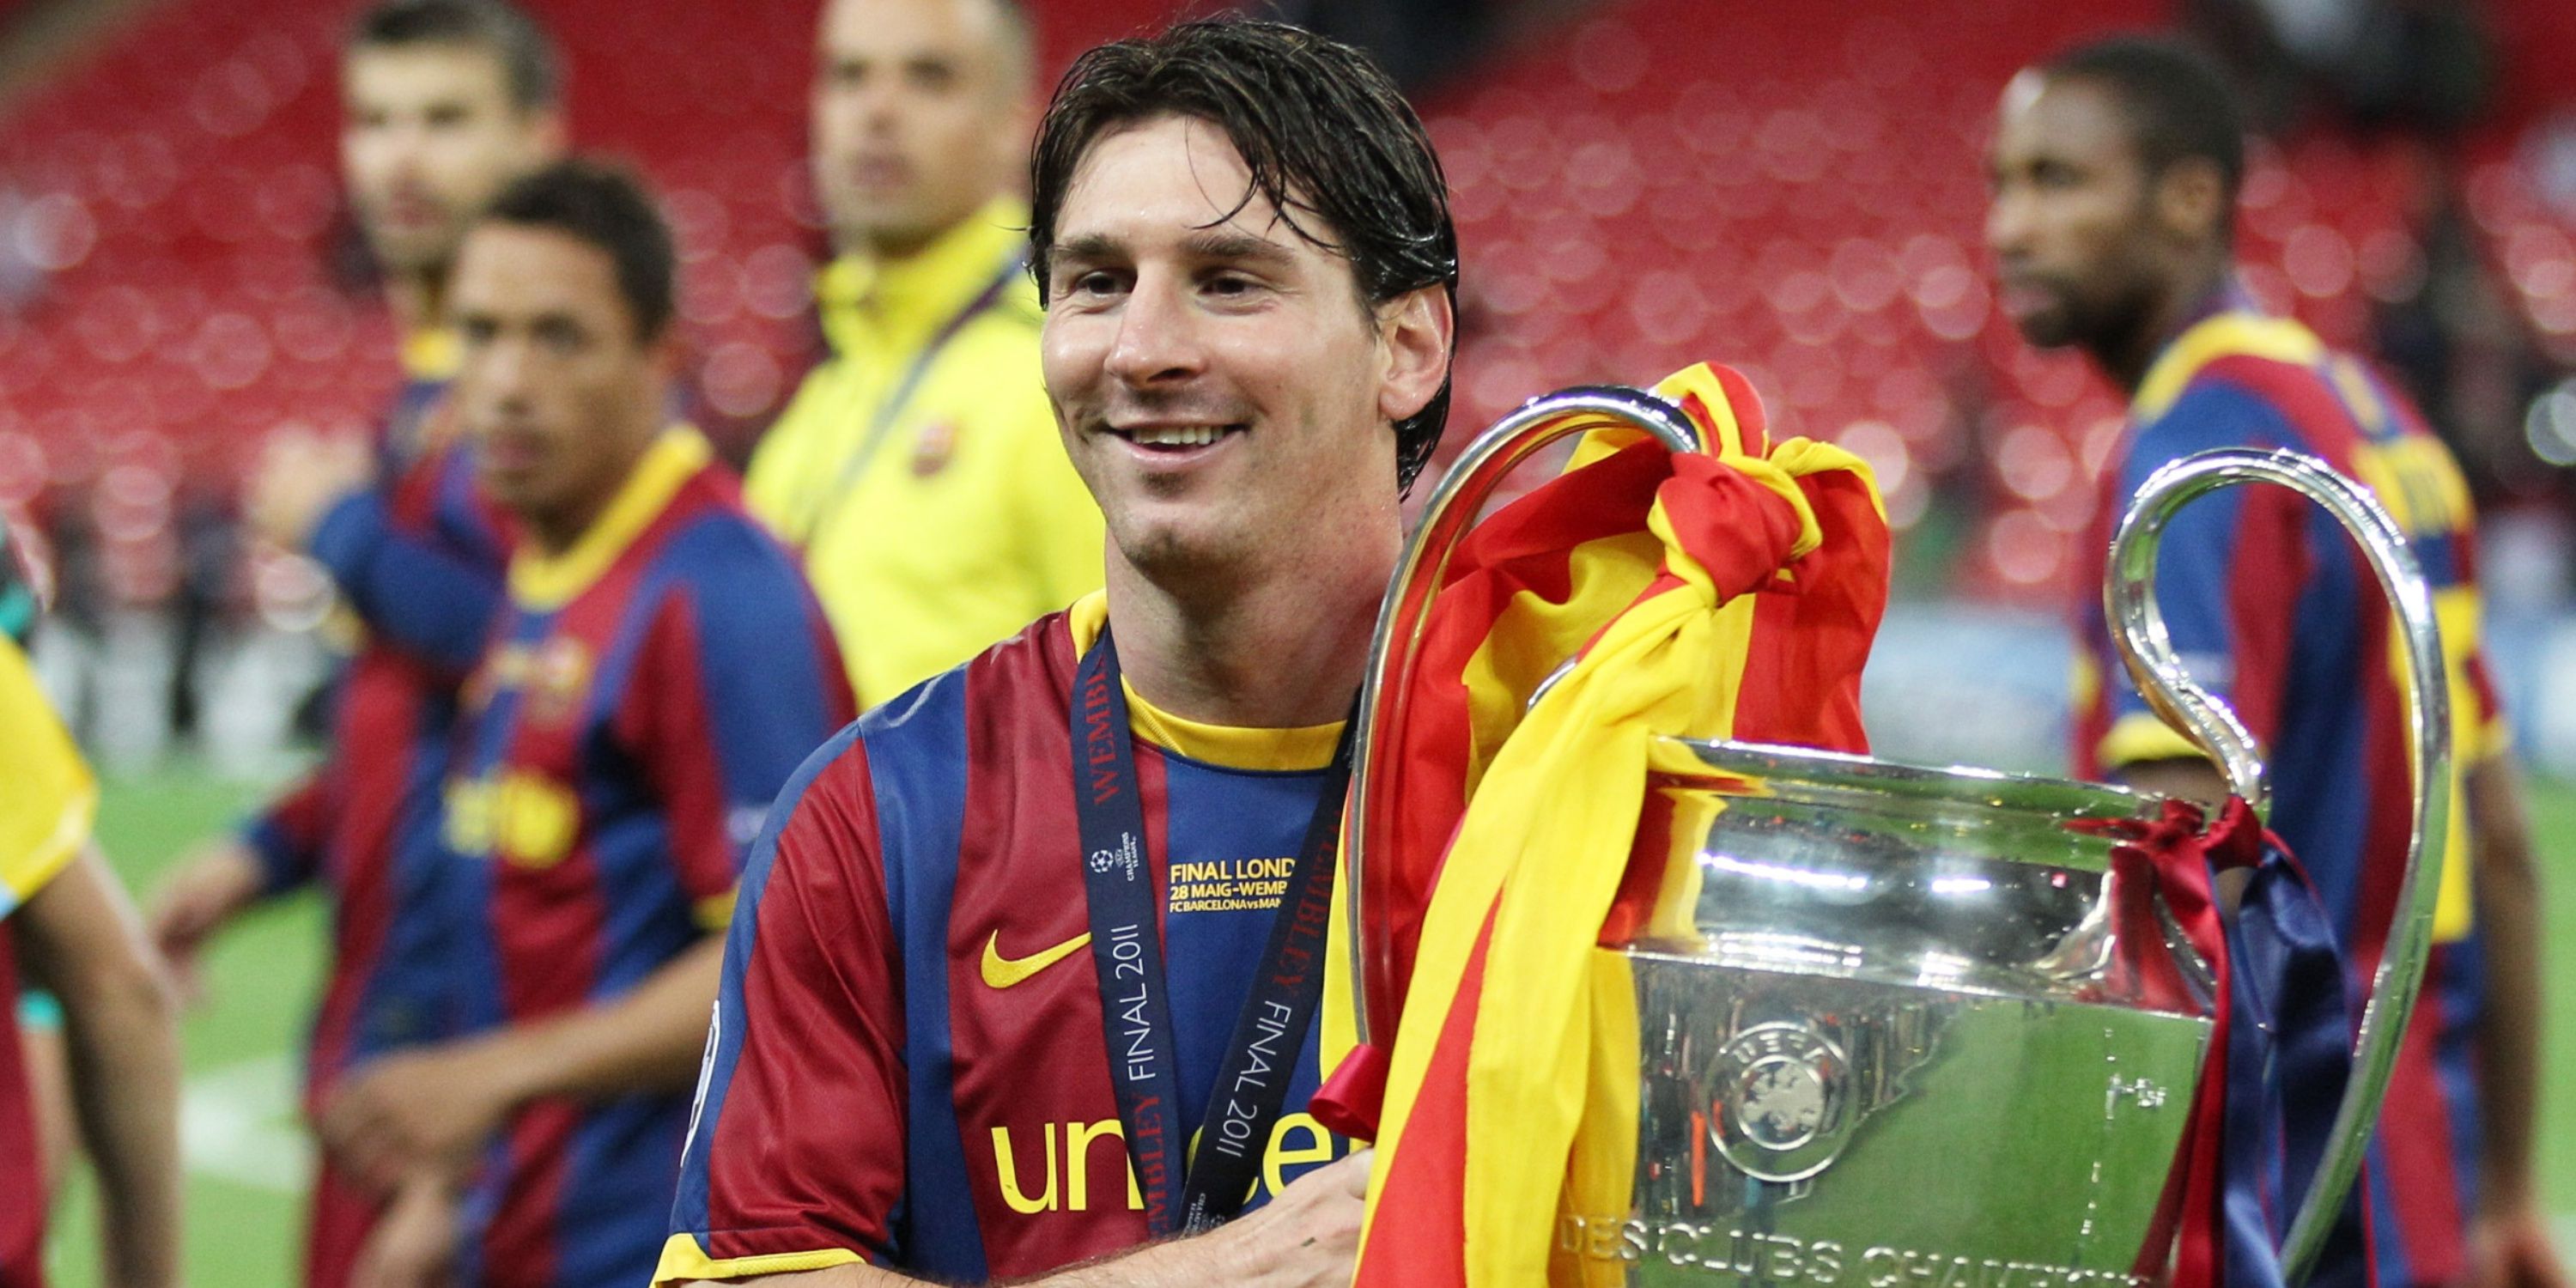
pixel 1908 1043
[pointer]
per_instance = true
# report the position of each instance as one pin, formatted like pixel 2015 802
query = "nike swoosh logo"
pixel 1003 972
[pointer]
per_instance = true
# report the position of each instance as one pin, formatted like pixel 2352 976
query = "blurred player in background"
pixel 917 468
pixel 66 927
pixel 2115 172
pixel 659 670
pixel 910 1072
pixel 445 102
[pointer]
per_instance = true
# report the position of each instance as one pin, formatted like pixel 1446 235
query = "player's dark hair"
pixel 528 60
pixel 605 206
pixel 2178 103
pixel 1329 140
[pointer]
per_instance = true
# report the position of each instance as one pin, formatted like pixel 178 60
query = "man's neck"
pixel 558 530
pixel 417 302
pixel 2128 356
pixel 1283 650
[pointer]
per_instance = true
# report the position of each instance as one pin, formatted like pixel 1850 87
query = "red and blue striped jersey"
pixel 907 1064
pixel 644 696
pixel 418 558
pixel 2273 609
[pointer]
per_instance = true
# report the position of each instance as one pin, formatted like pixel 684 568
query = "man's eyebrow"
pixel 1231 244
pixel 1089 248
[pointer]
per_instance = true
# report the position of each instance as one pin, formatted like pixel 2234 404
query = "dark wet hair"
pixel 529 63
pixel 607 207
pixel 1330 142
pixel 2178 103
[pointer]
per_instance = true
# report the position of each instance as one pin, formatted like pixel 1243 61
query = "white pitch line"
pixel 241 1123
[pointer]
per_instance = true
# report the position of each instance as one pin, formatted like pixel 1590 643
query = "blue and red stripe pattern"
pixel 419 558
pixel 2272 608
pixel 643 698
pixel 907 1066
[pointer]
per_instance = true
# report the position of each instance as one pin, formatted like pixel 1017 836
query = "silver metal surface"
pixel 1452 509
pixel 2139 630
pixel 1905 1036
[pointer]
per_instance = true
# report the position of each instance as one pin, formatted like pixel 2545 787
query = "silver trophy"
pixel 1908 1045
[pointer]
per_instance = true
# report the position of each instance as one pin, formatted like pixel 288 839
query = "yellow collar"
pixel 545 582
pixel 1226 746
pixel 902 301
pixel 430 353
pixel 2220 335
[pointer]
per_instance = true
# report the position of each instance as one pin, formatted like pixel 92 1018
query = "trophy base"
pixel 1813 1130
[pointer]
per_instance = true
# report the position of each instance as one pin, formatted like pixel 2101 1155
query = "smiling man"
pixel 1023 931
pixel 2115 171
pixel 658 671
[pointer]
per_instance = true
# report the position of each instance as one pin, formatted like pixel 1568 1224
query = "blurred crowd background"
pixel 1795 190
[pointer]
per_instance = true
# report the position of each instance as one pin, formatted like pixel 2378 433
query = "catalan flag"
pixel 1732 594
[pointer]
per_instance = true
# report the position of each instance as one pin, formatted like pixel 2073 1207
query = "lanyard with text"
pixel 1135 1007
pixel 828 502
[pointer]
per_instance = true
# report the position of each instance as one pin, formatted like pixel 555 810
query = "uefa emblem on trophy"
pixel 1931 1027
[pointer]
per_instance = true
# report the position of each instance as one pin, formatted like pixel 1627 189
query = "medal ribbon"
pixel 1269 1036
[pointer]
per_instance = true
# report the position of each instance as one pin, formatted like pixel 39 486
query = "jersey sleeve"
pixel 744 684
pixel 2225 570
pixel 287 838
pixel 47 797
pixel 420 560
pixel 795 1152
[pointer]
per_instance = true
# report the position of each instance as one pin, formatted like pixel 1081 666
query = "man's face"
pixel 920 117
pixel 558 393
pixel 2071 224
pixel 1218 381
pixel 429 136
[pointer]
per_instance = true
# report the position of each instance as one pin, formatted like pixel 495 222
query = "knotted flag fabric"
pixel 1732 594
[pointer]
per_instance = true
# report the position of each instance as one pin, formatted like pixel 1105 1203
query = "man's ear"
pixel 2191 201
pixel 1416 331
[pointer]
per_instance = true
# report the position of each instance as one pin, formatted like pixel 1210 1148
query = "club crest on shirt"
pixel 552 677
pixel 932 451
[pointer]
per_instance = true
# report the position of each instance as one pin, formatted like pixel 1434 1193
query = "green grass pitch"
pixel 246 1160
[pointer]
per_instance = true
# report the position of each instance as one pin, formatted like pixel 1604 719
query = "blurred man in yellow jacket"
pixel 918 469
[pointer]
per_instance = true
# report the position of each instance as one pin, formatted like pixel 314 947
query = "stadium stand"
pixel 1795 190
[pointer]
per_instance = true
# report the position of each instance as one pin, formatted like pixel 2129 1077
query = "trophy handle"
pixel 2139 632
pixel 1452 510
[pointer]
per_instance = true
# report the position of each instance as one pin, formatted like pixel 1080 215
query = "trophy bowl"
pixel 1907 1042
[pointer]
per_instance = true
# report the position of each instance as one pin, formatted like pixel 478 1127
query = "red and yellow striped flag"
pixel 1727 595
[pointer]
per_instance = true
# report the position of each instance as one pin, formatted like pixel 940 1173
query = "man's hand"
pixel 2509 1247
pixel 1308 1236
pixel 422 1111
pixel 220 881
pixel 413 1245
pixel 300 474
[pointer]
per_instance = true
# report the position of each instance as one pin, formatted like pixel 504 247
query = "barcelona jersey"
pixel 907 1064
pixel 2272 608
pixel 644 696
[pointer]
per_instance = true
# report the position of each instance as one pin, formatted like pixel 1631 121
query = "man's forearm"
pixel 2506 880
pixel 648 1040
pixel 85 942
